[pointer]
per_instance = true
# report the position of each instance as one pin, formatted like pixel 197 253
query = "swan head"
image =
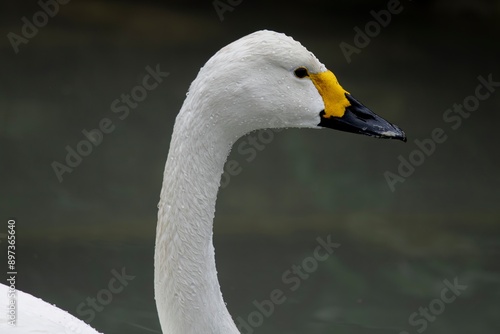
pixel 269 80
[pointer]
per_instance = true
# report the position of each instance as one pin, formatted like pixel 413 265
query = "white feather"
pixel 248 85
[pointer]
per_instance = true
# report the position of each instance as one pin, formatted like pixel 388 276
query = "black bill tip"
pixel 359 119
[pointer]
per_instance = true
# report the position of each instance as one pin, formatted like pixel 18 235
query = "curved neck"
pixel 187 290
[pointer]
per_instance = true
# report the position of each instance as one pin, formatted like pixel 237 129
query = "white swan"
pixel 263 80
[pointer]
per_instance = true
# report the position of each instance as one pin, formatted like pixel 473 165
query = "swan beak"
pixel 359 119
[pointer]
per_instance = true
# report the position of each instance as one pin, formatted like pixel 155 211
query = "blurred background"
pixel 399 243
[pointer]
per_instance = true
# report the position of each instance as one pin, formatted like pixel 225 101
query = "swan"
pixel 263 80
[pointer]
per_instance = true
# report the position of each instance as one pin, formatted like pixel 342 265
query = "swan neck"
pixel 187 290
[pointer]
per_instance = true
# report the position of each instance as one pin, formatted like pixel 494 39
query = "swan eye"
pixel 301 72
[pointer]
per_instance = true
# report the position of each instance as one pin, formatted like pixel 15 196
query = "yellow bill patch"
pixel 332 93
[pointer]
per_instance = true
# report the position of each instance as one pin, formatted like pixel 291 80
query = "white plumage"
pixel 251 84
pixel 36 316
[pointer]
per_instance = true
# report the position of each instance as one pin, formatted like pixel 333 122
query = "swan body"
pixel 263 80
pixel 37 316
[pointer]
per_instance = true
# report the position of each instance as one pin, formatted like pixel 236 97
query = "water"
pixel 359 288
pixel 403 242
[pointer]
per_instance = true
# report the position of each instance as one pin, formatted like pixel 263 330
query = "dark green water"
pixel 401 246
pixel 357 289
